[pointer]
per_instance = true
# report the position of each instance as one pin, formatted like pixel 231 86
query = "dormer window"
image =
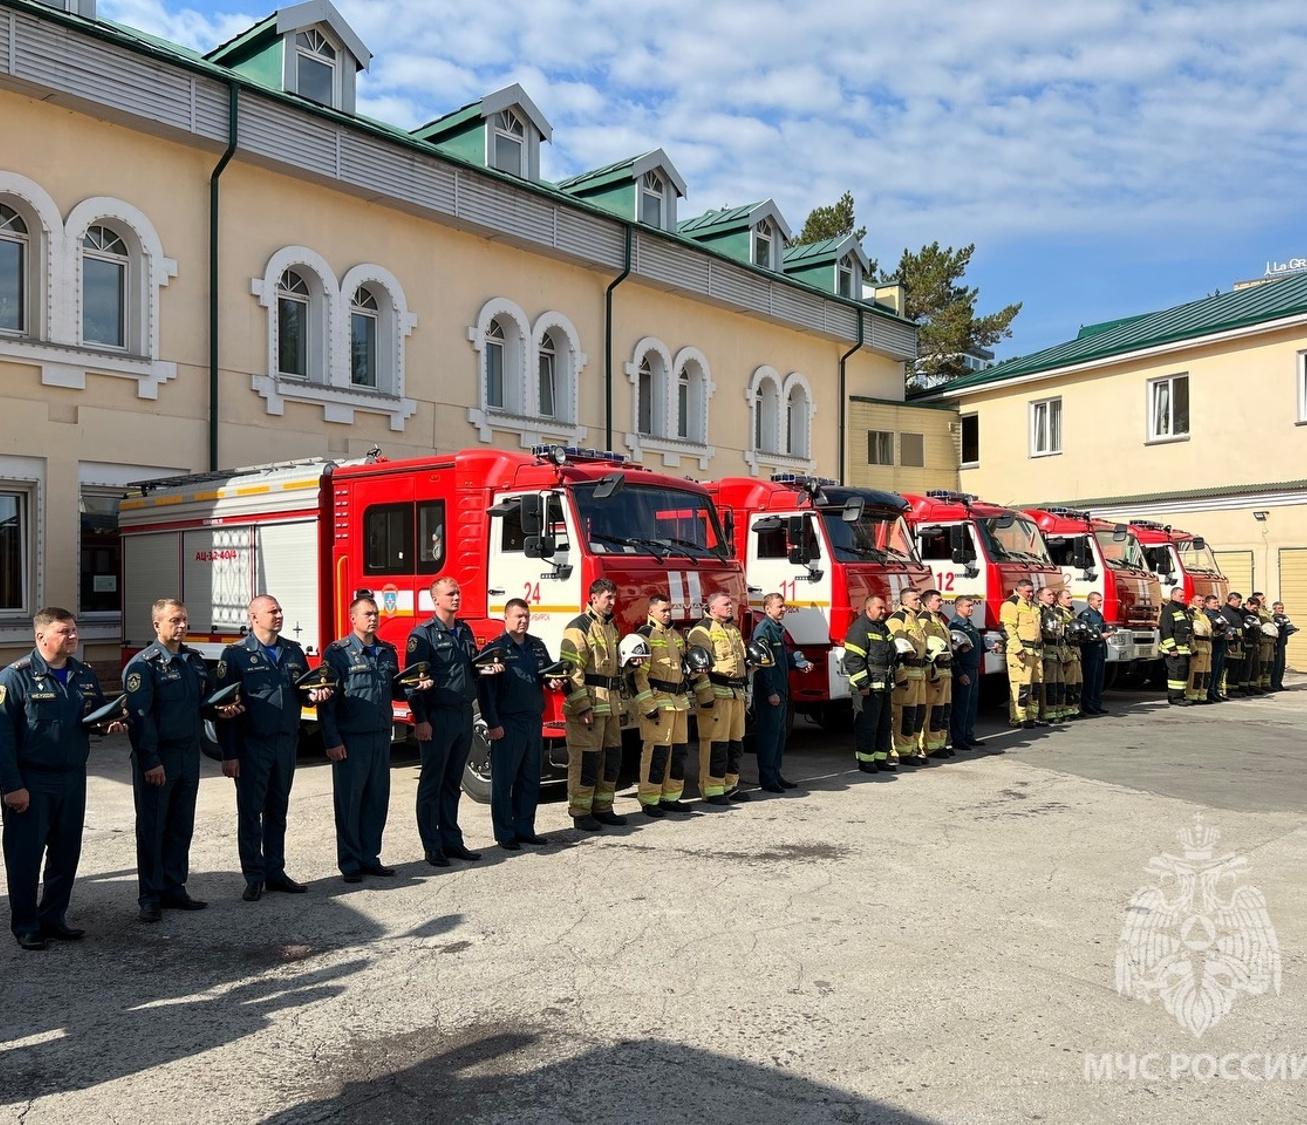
pixel 764 242
pixel 847 276
pixel 508 143
pixel 315 67
pixel 653 198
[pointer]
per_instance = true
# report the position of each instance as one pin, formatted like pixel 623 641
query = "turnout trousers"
pixel 873 726
pixel 440 782
pixel 165 820
pixel 909 713
pixel 515 762
pixel 1200 671
pixel 939 704
pixel 665 744
pixel 50 829
pixel 1177 675
pixel 721 745
pixel 361 794
pixel 594 760
pixel 1025 677
pixel 1052 699
pixel 262 798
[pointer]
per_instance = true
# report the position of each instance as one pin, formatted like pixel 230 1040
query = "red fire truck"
pixel 825 548
pixel 540 526
pixel 1095 554
pixel 1178 558
pixel 982 550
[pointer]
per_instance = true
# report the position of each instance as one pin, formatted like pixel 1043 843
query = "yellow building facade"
pixel 372 289
pixel 1194 417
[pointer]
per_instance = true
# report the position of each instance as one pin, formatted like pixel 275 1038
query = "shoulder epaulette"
pixel 900 614
pixel 581 621
pixel 645 630
pixel 342 643
pixel 1012 599
pixel 21 663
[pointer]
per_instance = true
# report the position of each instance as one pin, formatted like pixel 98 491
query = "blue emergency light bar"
pixel 802 481
pixel 1068 513
pixel 951 497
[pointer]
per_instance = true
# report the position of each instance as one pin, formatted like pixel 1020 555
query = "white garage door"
pixel 1293 592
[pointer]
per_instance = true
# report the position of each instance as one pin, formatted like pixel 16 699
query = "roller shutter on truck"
pixel 151 570
pixel 1293 592
pixel 286 566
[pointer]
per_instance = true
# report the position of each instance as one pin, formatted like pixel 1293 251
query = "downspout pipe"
pixel 844 398
pixel 608 341
pixel 233 107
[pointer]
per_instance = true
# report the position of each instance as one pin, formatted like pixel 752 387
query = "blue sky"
pixel 1107 157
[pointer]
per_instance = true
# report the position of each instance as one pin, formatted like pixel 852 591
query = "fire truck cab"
pixel 982 550
pixel 825 549
pixel 1178 558
pixel 540 526
pixel 1095 554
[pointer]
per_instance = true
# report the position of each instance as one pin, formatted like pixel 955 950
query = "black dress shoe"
pixel 379 869
pixel 587 823
pixel 510 845
pixel 182 902
pixel 31 941
pixel 353 877
pixel 787 784
pixel 286 885
pixel 253 892
pixel 653 811
pixel 779 788
pixel 607 816
pixel 59 931
pixel 677 806
pixel 150 914
pixel 539 841
pixel 886 766
pixel 436 859
pixel 460 852
pixel 737 795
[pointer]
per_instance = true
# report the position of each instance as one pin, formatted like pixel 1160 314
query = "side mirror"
pixel 1080 555
pixel 610 485
pixel 1006 520
pixel 540 547
pixel 532 515
pixel 798 550
pixel 1120 533
pixel 853 509
pixel 960 550
pixel 728 530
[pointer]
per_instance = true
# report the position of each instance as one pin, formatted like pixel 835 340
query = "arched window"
pixel 105 263
pixel 764 241
pixel 495 347
pixel 14 251
pixel 364 321
pixel 645 394
pixel 796 422
pixel 316 68
pixel 847 275
pixel 294 306
pixel 653 198
pixel 508 143
pixel 547 365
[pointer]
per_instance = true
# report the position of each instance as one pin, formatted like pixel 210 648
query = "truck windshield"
pixel 1021 540
pixel 875 536
pixel 1197 559
pixel 643 520
pixel 1120 552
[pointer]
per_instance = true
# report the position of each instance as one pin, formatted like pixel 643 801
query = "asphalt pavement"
pixel 937 945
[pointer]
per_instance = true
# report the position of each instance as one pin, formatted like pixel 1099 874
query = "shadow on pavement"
pixel 522 1077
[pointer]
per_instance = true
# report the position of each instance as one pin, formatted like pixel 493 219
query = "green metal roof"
pixel 719 221
pixel 1184 494
pixel 1104 326
pixel 266 27
pixel 619 172
pixel 439 126
pixel 1224 312
pixel 824 251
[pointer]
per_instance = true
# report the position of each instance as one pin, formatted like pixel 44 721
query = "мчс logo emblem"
pixel 1199 936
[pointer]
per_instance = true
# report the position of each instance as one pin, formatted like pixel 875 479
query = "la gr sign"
pixel 1290 265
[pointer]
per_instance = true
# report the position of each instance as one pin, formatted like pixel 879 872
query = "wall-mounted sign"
pixel 1289 265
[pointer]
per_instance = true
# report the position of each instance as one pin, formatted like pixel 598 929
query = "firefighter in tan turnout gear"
pixel 720 697
pixel 1200 660
pixel 593 710
pixel 939 677
pixel 1051 699
pixel 1073 676
pixel 910 678
pixel 662 704
pixel 1020 618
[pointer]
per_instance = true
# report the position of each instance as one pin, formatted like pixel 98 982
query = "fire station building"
pixel 1194 416
pixel 213 260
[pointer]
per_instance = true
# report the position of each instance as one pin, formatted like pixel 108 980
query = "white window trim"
pixel 527 423
pixel 335 64
pixel 765 229
pixel 775 457
pixel 1151 436
pixel 961 418
pixel 26 474
pixel 52 344
pixel 1032 413
pixel 664 440
pixel 795 380
pixel 335 394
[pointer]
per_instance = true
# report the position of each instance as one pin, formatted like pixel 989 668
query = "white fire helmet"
pixel 633 647
pixel 1270 629
pixel 904 647
pixel 960 641
pixel 936 647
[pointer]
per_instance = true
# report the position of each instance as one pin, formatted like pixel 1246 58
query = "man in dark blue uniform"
pixel 43 751
pixel 1212 610
pixel 1093 657
pixel 513 705
pixel 771 696
pixel 167 683
pixel 966 678
pixel 443 720
pixel 356 723
pixel 258 748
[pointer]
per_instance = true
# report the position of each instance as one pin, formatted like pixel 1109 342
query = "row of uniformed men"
pixel 47 698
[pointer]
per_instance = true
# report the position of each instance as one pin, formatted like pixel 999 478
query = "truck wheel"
pixel 476 774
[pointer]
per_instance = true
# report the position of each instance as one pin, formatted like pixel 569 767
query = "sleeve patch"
pixel 413 643
pixel 133 681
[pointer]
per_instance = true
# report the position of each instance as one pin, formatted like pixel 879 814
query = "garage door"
pixel 1293 592
pixel 1237 566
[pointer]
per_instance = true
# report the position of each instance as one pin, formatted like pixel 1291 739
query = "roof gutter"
pixel 844 398
pixel 608 342
pixel 233 116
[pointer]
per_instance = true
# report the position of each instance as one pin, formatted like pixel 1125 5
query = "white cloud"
pixel 986 121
